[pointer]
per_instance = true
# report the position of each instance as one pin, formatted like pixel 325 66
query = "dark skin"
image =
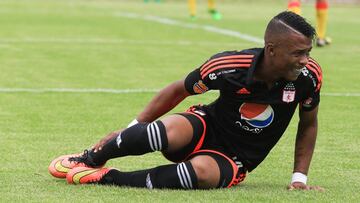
pixel 285 55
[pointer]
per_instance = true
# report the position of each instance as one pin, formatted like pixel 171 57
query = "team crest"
pixel 289 93
pixel 200 87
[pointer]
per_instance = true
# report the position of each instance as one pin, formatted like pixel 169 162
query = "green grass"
pixel 83 44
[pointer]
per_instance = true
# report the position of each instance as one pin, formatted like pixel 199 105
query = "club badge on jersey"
pixel 289 93
pixel 200 87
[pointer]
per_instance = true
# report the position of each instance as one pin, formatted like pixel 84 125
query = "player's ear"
pixel 270 49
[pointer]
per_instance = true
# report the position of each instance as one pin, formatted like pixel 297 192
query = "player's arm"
pixel 196 82
pixel 304 148
pixel 164 101
pixel 172 95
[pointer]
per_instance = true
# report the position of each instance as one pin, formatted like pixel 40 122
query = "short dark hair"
pixel 294 21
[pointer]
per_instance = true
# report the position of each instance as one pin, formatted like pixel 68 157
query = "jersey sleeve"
pixel 199 82
pixel 314 73
pixel 194 84
pixel 211 74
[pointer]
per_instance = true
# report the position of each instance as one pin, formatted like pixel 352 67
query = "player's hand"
pixel 98 146
pixel 302 186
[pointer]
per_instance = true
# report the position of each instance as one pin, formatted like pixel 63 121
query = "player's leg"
pixel 322 7
pixel 181 175
pixel 169 134
pixel 170 176
pixel 208 169
pixel 211 5
pixel 196 168
pixel 192 8
pixel 294 6
pixel 216 15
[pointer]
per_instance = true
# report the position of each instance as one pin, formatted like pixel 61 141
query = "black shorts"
pixel 204 143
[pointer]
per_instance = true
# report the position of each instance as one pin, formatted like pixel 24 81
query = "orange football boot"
pixel 60 166
pixel 86 175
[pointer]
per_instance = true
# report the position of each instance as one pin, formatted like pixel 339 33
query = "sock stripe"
pixel 149 137
pixel 184 176
pixel 187 175
pixel 179 175
pixel 158 136
pixel 153 136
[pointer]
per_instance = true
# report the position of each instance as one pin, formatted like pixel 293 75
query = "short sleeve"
pixel 194 84
pixel 210 75
pixel 314 73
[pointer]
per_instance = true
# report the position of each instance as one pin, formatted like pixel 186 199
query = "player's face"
pixel 292 55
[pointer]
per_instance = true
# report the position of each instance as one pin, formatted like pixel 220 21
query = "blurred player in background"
pixel 211 6
pixel 321 19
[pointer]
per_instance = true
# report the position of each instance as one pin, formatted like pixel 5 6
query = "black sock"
pixel 136 140
pixel 174 176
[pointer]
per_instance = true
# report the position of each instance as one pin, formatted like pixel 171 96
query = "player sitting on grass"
pixel 216 145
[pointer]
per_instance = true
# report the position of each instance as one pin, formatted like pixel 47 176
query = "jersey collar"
pixel 258 55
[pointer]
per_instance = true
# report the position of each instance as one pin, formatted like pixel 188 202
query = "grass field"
pixel 82 45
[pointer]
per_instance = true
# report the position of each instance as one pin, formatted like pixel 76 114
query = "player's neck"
pixel 265 73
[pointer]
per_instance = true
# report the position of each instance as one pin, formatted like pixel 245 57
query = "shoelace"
pixel 80 159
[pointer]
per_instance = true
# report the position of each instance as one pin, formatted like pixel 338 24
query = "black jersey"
pixel 250 118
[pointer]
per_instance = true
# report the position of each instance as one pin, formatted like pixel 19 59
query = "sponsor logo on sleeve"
pixel 212 76
pixel 200 87
pixel 305 71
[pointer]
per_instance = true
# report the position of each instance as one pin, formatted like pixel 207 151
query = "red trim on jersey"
pixel 294 4
pixel 235 180
pixel 201 141
pixel 322 5
pixel 314 67
pixel 226 57
pixel 225 66
pixel 233 61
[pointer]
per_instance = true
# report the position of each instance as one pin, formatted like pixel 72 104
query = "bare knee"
pixel 179 132
pixel 207 171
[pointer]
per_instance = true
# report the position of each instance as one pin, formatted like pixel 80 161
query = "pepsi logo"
pixel 257 115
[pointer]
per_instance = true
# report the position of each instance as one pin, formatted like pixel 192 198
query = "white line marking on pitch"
pixel 208 28
pixel 4 42
pixel 74 90
pixel 126 91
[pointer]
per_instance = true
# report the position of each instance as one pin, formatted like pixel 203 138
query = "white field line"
pixel 75 90
pixel 208 28
pixel 125 91
pixel 30 40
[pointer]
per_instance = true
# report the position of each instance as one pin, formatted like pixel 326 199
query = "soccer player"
pixel 216 145
pixel 216 15
pixel 322 7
